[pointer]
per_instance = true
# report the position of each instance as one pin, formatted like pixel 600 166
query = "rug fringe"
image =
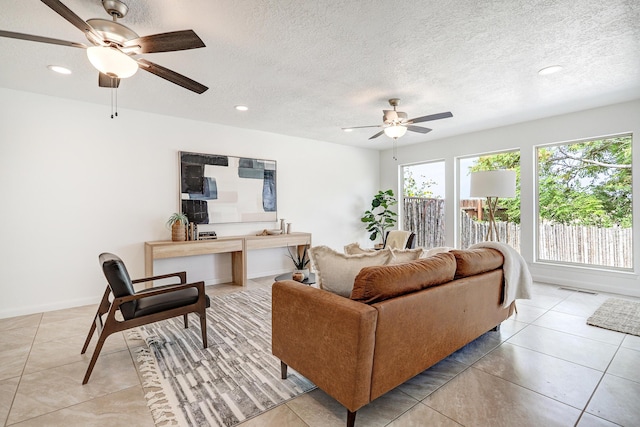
pixel 158 402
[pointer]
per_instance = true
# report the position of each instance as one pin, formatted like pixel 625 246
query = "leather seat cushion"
pixel 374 284
pixel 475 261
pixel 167 301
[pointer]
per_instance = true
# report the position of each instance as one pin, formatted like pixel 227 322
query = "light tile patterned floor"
pixel 545 367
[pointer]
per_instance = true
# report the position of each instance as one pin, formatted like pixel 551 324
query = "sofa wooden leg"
pixel 186 321
pixel 351 418
pixel 497 327
pixel 283 370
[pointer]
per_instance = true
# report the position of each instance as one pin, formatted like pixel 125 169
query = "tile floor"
pixel 545 367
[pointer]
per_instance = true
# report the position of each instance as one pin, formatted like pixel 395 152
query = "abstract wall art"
pixel 217 189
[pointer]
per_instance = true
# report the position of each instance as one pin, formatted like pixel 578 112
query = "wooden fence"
pixel 611 247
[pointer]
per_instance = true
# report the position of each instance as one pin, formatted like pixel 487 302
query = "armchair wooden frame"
pixel 111 325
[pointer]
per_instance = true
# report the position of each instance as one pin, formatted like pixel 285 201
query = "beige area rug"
pixel 236 378
pixel 618 315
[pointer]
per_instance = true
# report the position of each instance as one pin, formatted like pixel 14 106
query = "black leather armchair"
pixel 142 307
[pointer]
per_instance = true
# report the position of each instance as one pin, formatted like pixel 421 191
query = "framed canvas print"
pixel 217 189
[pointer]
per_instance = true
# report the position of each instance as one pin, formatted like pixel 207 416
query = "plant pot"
pixel 304 273
pixel 178 232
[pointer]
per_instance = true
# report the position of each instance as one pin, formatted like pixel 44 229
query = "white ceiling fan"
pixel 396 123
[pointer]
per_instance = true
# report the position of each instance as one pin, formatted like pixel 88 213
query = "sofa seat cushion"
pixel 374 284
pixel 336 272
pixel 475 261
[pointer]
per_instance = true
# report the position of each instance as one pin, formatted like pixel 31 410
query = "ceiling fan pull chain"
pixel 395 150
pixel 114 98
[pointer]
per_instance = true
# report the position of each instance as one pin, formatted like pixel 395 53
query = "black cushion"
pixel 167 301
pixel 119 281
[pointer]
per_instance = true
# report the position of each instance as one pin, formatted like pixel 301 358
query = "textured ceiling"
pixel 309 67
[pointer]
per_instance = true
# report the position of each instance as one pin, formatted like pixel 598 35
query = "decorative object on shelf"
pixel 274 231
pixel 493 185
pixel 288 228
pixel 193 231
pixel 177 222
pixel 282 226
pixel 380 217
pixel 207 235
pixel 300 262
pixel 224 189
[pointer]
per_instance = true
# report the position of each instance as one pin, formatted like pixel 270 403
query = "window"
pixel 473 214
pixel 423 203
pixel 584 197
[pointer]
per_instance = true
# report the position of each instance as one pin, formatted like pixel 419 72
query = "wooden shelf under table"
pixel 237 246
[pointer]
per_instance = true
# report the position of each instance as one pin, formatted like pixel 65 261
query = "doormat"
pixel 618 315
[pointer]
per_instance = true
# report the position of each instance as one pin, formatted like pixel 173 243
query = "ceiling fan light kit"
pixel 395 131
pixel 112 62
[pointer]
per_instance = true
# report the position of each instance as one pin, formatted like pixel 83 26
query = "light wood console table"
pixel 237 246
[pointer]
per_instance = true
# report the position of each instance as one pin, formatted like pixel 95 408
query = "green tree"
pixel 411 188
pixel 586 183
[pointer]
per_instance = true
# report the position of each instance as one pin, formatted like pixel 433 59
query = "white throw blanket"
pixel 517 278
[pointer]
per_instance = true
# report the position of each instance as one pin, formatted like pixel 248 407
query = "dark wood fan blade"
pixel 167 42
pixel 108 81
pixel 70 16
pixel 32 38
pixel 171 76
pixel 431 117
pixel 377 134
pixel 362 127
pixel 418 129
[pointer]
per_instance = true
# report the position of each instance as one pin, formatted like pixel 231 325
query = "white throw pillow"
pixel 354 249
pixel 436 250
pixel 336 272
pixel 406 255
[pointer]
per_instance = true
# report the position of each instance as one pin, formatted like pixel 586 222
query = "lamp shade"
pixel 497 183
pixel 112 62
pixel 395 131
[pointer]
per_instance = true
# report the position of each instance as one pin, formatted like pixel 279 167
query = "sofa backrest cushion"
pixel 374 284
pixel 336 272
pixel 475 261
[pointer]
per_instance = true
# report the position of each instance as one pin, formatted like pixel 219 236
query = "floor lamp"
pixel 493 185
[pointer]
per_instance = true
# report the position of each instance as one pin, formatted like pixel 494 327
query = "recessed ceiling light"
pixel 59 69
pixel 550 70
pixel 241 107
pixel 347 129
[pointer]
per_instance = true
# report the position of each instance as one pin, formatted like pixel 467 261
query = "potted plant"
pixel 300 262
pixel 380 217
pixel 178 224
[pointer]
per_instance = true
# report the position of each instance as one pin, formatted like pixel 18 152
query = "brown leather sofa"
pixel 401 319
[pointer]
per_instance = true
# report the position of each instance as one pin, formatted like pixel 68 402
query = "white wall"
pixel 614 119
pixel 75 183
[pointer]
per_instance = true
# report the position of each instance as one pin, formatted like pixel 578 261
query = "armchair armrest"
pixel 327 338
pixel 182 275
pixel 161 290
